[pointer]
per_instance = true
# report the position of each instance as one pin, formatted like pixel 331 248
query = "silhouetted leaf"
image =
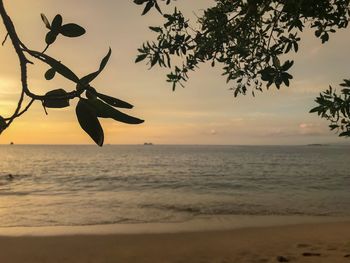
pixel 140 58
pixel 346 83
pixel 318 33
pixel 148 6
pixel 88 121
pixel 316 109
pixel 56 103
pixel 276 62
pixel 50 37
pixel 325 38
pixel 61 69
pixel 50 74
pixel 287 65
pixel 333 126
pixel 103 110
pixel 140 2
pixel 154 60
pixel 91 93
pixel 345 133
pixel 88 78
pixel 56 24
pixel 156 29
pixel 72 30
pixel 45 20
pixel 158 8
pixel 114 101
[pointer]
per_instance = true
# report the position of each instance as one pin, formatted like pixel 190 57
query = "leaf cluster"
pixel 91 106
pixel 335 108
pixel 95 105
pixel 149 4
pixel 245 37
pixel 56 27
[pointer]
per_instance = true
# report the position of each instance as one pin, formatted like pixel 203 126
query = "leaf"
pixel 56 103
pixel 140 58
pixel 148 6
pixel 45 20
pixel 287 65
pixel 154 60
pixel 60 68
pixel 88 121
pixel 325 37
pixel 72 30
pixel 318 33
pixel 345 133
pixel 346 83
pixel 316 109
pixel 333 126
pixel 276 62
pixel 156 29
pixel 158 8
pixel 139 2
pixel 91 94
pixel 285 80
pixel 103 110
pixel 56 24
pixel 88 78
pixel 114 101
pixel 296 47
pixel 50 37
pixel 50 74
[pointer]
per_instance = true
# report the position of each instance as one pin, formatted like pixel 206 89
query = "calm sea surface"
pixel 87 185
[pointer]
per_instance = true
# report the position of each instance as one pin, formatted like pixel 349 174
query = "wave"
pixel 14 193
pixel 234 209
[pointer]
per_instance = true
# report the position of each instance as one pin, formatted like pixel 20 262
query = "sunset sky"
pixel 205 112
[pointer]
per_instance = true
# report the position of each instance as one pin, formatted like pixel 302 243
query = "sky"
pixel 204 112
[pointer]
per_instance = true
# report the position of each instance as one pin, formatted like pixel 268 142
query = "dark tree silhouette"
pixel 91 106
pixel 249 38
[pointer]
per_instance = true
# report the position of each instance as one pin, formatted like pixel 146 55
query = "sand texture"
pixel 326 242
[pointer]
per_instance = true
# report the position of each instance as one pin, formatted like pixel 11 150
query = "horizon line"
pixel 166 144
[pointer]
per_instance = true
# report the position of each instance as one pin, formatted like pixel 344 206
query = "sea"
pixel 71 185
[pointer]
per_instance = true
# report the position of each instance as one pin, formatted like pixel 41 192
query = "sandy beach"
pixel 316 242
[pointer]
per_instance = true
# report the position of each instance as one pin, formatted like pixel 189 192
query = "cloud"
pixel 9 86
pixel 308 125
pixel 311 129
pixel 213 132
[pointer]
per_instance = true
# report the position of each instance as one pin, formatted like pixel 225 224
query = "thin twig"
pixel 47 46
pixel 3 42
pixel 23 111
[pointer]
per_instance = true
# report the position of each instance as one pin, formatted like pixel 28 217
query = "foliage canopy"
pixel 250 39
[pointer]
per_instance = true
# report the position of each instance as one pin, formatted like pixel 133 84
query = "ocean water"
pixel 87 185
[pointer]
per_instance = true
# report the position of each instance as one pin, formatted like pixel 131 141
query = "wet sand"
pixel 315 242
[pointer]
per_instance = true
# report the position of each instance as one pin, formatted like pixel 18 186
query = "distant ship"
pixel 148 143
pixel 11 143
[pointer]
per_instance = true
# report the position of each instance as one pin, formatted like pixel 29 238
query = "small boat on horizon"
pixel 148 143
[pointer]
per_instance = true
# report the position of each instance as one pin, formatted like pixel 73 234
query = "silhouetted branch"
pixel 89 109
pixel 20 48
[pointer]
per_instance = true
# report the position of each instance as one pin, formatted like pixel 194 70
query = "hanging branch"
pixel 91 106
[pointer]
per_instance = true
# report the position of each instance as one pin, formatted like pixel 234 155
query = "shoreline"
pixel 201 224
pixel 308 242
